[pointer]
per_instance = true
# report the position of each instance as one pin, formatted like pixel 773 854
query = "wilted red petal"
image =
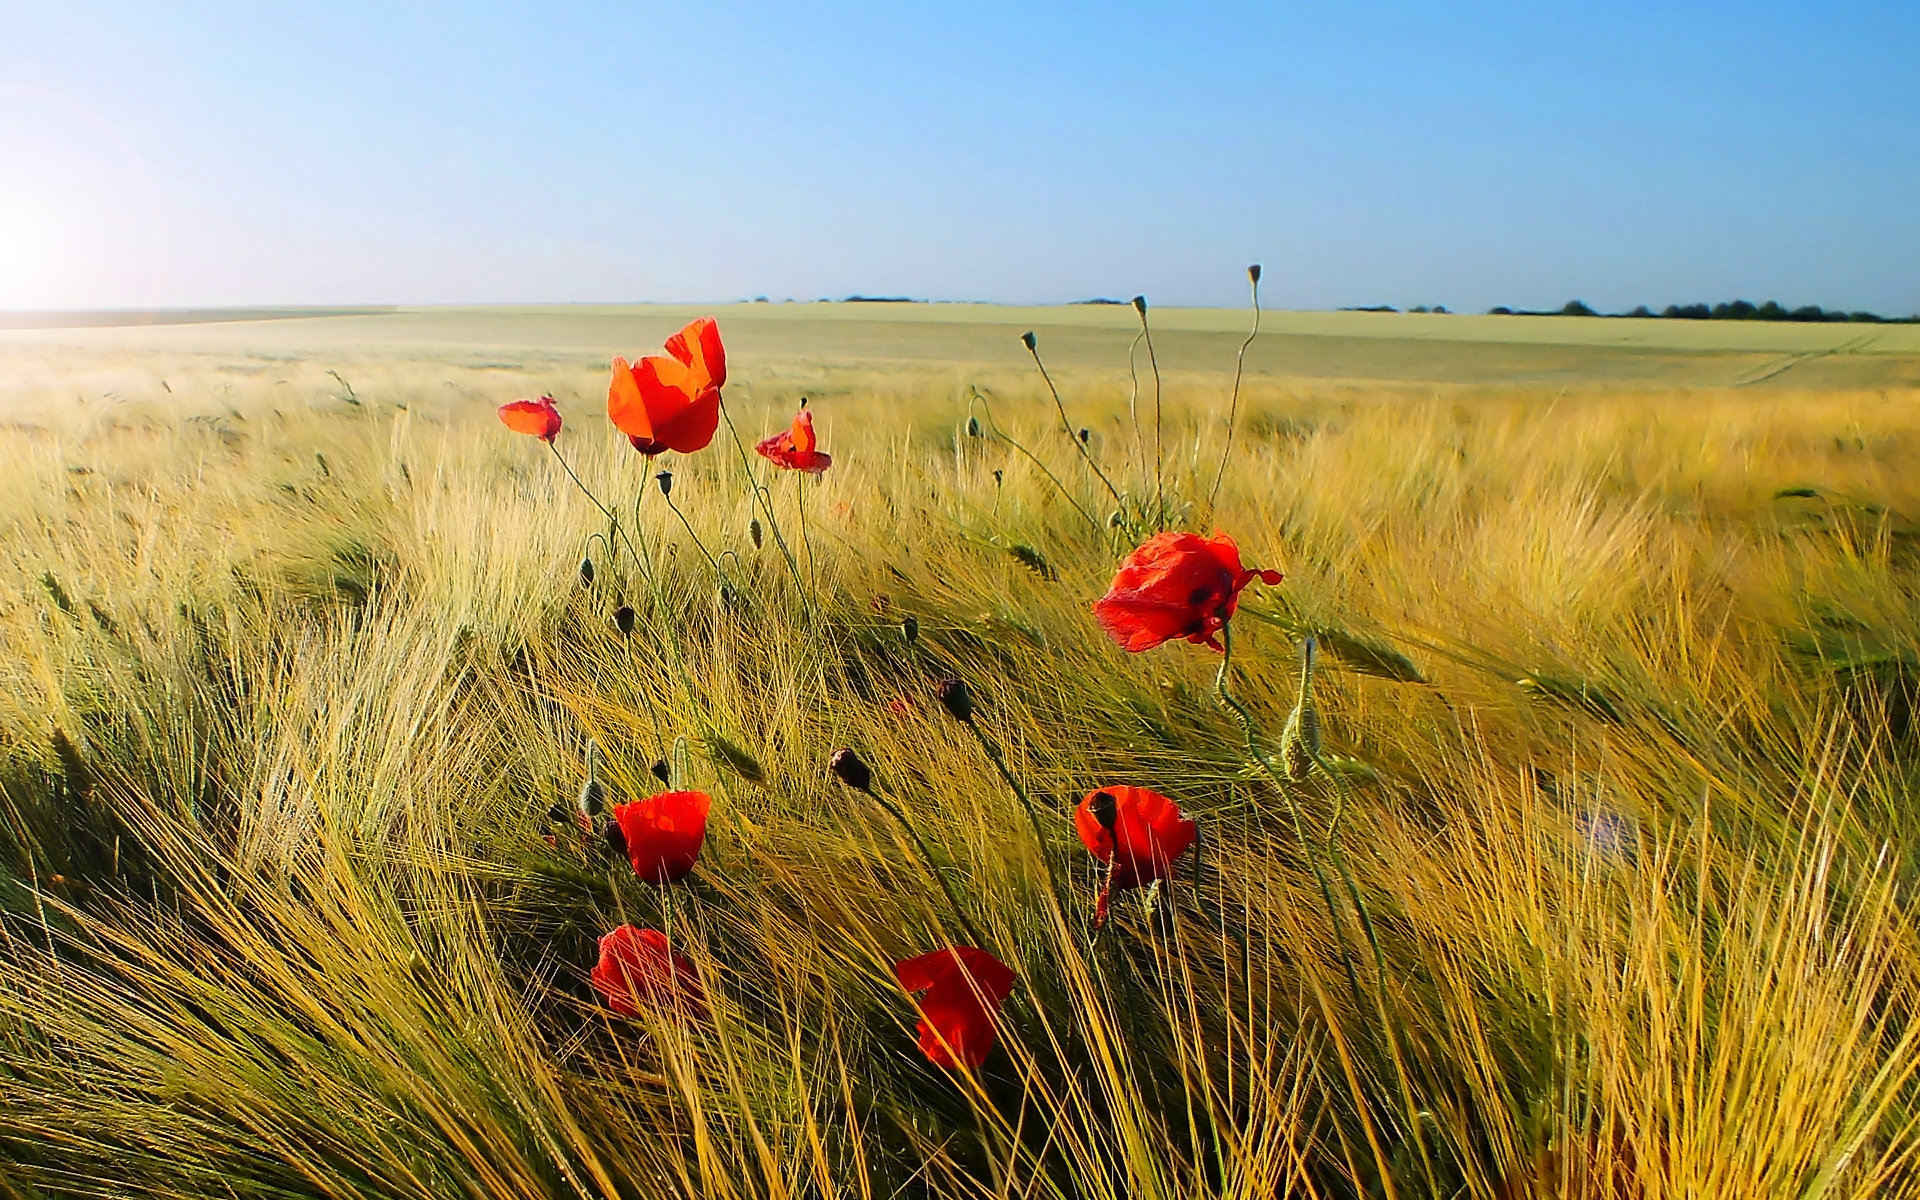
pixel 793 448
pixel 664 833
pixel 537 418
pixel 965 988
pixel 638 966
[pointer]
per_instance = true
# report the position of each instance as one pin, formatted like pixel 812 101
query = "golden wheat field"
pixel 1598 882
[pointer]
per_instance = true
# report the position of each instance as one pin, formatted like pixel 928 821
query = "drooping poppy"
pixel 671 401
pixel 1135 830
pixel 965 988
pixel 638 966
pixel 538 418
pixel 793 449
pixel 663 833
pixel 1175 585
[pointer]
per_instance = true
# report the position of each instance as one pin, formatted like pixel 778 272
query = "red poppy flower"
pixel 794 449
pixel 536 417
pixel 663 833
pixel 1149 833
pixel 1176 585
pixel 671 401
pixel 637 967
pixel 964 990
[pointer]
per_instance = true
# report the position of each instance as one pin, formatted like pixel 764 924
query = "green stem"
pixel 764 500
pixel 698 544
pixel 1054 479
pixel 926 860
pixel 1026 802
pixel 1233 406
pixel 1033 348
pixel 1266 764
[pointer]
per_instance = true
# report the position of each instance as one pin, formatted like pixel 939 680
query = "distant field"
pixel 1397 348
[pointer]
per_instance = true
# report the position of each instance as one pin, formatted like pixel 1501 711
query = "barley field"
pixel 1596 884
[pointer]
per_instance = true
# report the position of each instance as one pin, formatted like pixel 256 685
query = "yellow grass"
pixel 1617 902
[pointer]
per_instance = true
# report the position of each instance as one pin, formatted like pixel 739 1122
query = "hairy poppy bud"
pixel 910 630
pixel 1140 305
pixel 1028 339
pixel 954 698
pixel 592 797
pixel 1300 738
pixel 557 814
pixel 997 478
pixel 1253 272
pixel 617 839
pixel 1084 435
pixel 662 771
pixel 973 426
pixel 848 769
pixel 586 572
pixel 623 619
pixel 665 480
pixel 753 531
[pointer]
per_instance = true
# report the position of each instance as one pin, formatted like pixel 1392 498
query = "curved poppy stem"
pixel 1133 411
pixel 644 557
pixel 1220 685
pixel 1159 458
pixel 1233 406
pixel 1054 479
pixel 698 544
pixel 1033 815
pixel 764 499
pixel 1033 348
pixel 926 860
pixel 806 547
pixel 613 519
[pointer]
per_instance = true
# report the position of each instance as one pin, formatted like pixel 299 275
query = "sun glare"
pixel 30 238
pixel 80 219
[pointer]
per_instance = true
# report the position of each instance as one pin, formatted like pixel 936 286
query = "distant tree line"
pixel 1737 310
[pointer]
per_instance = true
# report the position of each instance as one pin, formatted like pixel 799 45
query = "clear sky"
pixel 178 152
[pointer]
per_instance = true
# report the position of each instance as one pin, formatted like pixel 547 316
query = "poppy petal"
pixel 626 407
pixel 537 418
pixel 664 833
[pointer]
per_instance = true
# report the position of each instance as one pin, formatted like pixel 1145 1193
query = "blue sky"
pixel 186 153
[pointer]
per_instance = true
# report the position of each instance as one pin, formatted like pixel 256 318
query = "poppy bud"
pixel 973 426
pixel 592 797
pixel 954 698
pixel 557 814
pixel 586 572
pixel 623 619
pixel 1084 435
pixel 617 839
pixel 1104 808
pixel 1028 339
pixel 996 479
pixel 662 771
pixel 1300 738
pixel 1140 305
pixel 848 769
pixel 910 630
pixel 665 480
pixel 753 531
pixel 1253 272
